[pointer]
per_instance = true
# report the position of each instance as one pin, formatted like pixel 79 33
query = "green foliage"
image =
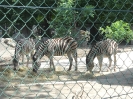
pixel 108 11
pixel 29 15
pixel 67 16
pixel 64 16
pixel 118 31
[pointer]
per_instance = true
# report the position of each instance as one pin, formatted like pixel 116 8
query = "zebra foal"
pixel 105 48
pixel 23 47
pixel 56 47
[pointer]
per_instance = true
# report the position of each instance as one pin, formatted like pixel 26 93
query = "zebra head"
pixel 89 66
pixel 36 62
pixel 89 62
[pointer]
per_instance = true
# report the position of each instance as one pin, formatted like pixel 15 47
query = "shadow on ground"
pixel 123 78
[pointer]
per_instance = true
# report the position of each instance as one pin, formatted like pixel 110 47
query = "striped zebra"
pixel 23 47
pixel 56 47
pixel 105 48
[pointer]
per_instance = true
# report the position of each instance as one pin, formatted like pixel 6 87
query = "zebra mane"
pixel 92 54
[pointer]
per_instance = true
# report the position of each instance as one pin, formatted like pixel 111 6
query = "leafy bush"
pixel 118 31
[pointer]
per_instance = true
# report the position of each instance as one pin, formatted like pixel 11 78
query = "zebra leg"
pixel 51 62
pixel 114 62
pixel 100 60
pixel 22 59
pixel 31 56
pixel 110 61
pixel 75 58
pixel 16 60
pixel 70 60
pixel 27 60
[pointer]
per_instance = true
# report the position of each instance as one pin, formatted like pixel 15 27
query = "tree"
pixel 108 11
pixel 63 15
pixel 24 13
pixel 68 15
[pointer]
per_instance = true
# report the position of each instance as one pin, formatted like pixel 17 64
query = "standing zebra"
pixel 56 47
pixel 103 48
pixel 23 47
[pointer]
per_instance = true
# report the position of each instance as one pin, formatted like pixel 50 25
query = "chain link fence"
pixel 87 22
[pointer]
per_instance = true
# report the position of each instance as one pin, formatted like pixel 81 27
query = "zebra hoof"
pixel 14 69
pixel 35 71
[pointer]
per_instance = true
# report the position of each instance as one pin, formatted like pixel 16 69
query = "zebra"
pixel 100 49
pixel 56 47
pixel 23 47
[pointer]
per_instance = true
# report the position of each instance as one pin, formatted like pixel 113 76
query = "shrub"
pixel 118 31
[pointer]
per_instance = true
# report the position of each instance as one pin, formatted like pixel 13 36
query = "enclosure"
pixel 87 22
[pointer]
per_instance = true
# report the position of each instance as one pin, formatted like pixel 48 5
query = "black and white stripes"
pixel 56 47
pixel 23 47
pixel 103 48
pixel 61 46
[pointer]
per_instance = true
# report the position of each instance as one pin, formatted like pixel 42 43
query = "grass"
pixel 24 75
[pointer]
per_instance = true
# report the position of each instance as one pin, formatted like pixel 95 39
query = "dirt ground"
pixel 63 85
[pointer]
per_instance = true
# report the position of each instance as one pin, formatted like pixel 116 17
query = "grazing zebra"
pixel 103 48
pixel 56 47
pixel 23 47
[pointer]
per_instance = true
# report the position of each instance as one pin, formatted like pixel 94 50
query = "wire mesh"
pixel 87 22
